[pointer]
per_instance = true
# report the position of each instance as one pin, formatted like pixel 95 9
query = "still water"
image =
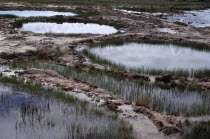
pixel 24 116
pixel 200 18
pixel 30 13
pixel 154 56
pixel 165 100
pixel 68 28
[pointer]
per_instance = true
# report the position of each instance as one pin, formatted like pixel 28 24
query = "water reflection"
pixel 24 116
pixel 171 101
pixel 30 13
pixel 200 18
pixel 138 12
pixel 154 56
pixel 68 28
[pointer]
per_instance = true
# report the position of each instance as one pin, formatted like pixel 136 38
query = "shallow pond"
pixel 166 100
pixel 150 57
pixel 200 18
pixel 24 116
pixel 138 12
pixel 68 28
pixel 1 36
pixel 30 13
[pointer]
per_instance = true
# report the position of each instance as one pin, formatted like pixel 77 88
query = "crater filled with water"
pixel 199 18
pixel 32 13
pixel 68 28
pixel 147 57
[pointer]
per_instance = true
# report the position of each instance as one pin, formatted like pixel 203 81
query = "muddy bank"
pixel 29 113
pixel 166 78
pixel 166 124
pixel 19 45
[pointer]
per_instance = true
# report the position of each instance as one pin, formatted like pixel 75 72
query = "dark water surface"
pixel 26 116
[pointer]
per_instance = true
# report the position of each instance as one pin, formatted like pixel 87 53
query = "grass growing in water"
pixel 8 16
pixel 199 130
pixel 200 73
pixel 176 100
pixel 37 89
pixel 59 20
pixel 76 110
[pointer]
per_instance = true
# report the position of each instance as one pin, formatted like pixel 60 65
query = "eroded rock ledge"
pixel 164 123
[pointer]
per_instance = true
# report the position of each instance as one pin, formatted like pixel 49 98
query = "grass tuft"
pixel 8 16
pixel 199 131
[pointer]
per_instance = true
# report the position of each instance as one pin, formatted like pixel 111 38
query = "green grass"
pixel 199 130
pixel 37 89
pixel 79 108
pixel 117 42
pixel 19 23
pixel 143 102
pixel 87 13
pixel 135 91
pixel 59 19
pixel 49 54
pixel 201 73
pixel 8 16
pixel 145 5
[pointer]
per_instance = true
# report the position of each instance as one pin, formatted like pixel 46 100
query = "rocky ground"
pixel 18 45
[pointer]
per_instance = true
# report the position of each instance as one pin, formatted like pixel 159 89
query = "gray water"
pixel 68 28
pixel 26 116
pixel 31 13
pixel 138 12
pixel 200 18
pixel 175 101
pixel 180 101
pixel 154 56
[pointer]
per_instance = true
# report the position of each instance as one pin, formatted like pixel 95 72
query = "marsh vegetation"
pixel 197 130
pixel 153 58
pixel 31 111
pixel 169 100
